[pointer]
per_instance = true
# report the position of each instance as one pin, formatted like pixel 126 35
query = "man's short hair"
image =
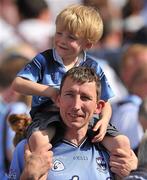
pixel 82 75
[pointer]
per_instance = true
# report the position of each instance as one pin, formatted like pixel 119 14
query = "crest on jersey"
pixel 58 166
pixel 101 164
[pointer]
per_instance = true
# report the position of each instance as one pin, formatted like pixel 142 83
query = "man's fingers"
pixel 120 152
pixel 27 152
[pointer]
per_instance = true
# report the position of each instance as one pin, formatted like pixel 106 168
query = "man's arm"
pixel 37 164
pixel 122 162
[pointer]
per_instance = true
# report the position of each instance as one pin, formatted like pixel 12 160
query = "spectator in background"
pixel 10 102
pixel 23 49
pixel 35 26
pixel 132 19
pixel 134 75
pixel 141 172
pixel 143 114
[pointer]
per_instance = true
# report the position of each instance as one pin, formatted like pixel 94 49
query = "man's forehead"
pixel 70 83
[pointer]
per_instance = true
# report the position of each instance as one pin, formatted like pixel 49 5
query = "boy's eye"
pixel 59 33
pixel 72 37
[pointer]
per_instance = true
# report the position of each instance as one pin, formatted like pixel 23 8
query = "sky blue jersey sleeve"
pixel 33 70
pixel 17 162
pixel 106 92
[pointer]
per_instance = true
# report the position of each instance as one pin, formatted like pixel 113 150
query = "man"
pixel 75 156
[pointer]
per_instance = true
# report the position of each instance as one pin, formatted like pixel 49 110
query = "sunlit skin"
pixel 69 46
pixel 78 103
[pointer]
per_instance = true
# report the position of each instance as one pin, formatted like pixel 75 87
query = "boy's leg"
pixel 40 138
pixel 42 129
pixel 111 143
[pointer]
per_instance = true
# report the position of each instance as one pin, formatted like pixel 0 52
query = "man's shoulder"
pixel 20 146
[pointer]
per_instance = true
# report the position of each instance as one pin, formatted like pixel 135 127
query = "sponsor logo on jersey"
pixel 58 166
pixel 101 164
pixel 12 174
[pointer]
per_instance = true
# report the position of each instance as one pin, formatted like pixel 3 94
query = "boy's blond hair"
pixel 81 21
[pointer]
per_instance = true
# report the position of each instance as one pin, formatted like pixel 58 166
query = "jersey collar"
pixel 82 57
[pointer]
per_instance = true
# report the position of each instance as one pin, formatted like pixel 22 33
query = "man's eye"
pixel 85 98
pixel 69 94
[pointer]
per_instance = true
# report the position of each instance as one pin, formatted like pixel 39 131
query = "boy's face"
pixel 67 45
pixel 78 103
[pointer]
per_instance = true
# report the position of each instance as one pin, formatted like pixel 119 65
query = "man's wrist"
pixel 26 176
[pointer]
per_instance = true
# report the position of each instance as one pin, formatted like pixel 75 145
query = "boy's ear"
pixel 100 106
pixel 88 45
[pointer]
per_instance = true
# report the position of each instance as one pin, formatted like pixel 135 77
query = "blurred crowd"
pixel 27 27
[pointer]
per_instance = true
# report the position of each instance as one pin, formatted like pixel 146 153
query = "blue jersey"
pixel 70 162
pixel 48 68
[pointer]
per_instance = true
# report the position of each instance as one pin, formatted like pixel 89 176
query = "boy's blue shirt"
pixel 83 162
pixel 50 70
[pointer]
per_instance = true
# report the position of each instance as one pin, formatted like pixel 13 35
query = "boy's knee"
pixel 122 142
pixel 37 139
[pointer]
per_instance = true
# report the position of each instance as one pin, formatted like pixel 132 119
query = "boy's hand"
pixel 100 128
pixel 54 94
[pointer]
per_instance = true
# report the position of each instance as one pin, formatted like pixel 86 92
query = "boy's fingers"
pixel 46 147
pixel 96 127
pixel 98 138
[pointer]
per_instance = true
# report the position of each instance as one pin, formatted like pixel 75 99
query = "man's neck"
pixel 75 136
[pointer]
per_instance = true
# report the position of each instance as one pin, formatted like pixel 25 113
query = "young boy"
pixel 78 27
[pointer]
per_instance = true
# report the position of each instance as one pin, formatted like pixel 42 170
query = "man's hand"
pixel 122 162
pixel 37 163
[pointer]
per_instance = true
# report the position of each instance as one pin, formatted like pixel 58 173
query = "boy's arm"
pixel 27 87
pixel 102 124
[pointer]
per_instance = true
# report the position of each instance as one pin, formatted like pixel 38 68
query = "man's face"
pixel 78 103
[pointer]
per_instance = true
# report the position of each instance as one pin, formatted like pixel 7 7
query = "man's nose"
pixel 77 103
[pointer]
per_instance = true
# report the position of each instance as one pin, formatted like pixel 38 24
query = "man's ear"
pixel 100 106
pixel 58 101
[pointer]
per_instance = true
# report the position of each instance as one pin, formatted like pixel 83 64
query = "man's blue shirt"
pixel 71 162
